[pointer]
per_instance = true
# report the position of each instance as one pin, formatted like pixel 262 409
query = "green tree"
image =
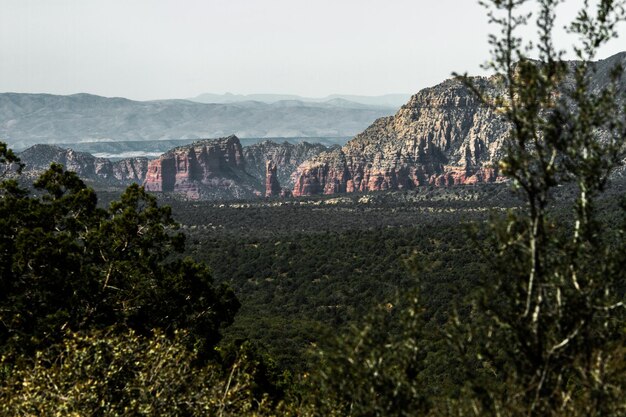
pixel 107 373
pixel 8 160
pixel 376 368
pixel 544 333
pixel 548 327
pixel 68 264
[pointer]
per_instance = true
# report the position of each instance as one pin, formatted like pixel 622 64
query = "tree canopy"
pixel 68 264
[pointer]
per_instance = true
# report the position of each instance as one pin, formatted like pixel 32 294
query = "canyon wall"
pixel 442 136
pixel 206 169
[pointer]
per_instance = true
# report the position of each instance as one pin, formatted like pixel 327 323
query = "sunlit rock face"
pixel 211 168
pixel 442 136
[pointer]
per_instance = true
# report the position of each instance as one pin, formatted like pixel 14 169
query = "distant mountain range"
pixel 387 100
pixel 27 119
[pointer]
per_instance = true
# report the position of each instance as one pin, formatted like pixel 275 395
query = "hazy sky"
pixel 149 49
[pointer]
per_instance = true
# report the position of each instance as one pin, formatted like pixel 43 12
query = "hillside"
pixel 28 119
pixel 207 169
pixel 443 136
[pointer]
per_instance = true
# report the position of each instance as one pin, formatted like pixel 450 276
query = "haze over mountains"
pixel 442 136
pixel 386 100
pixel 28 119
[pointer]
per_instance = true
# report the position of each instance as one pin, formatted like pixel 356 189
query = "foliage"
pixel 67 264
pixel 540 332
pixel 8 160
pixel 295 286
pixel 544 334
pixel 373 370
pixel 549 322
pixel 108 373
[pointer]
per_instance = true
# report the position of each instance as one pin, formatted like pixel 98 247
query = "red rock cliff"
pixel 272 186
pixel 442 136
pixel 207 168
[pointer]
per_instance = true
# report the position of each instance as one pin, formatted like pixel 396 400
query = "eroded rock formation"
pixel 442 136
pixel 286 156
pixel 212 168
pixel 272 186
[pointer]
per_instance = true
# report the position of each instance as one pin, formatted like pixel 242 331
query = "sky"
pixel 156 49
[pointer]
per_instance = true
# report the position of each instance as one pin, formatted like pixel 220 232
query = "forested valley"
pixel 498 299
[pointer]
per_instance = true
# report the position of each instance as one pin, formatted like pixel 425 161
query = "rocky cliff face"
pixel 206 169
pixel 123 172
pixel 130 169
pixel 221 168
pixel 213 168
pixel 442 136
pixel 272 186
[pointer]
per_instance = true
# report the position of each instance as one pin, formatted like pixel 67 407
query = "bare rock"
pixel 272 186
pixel 442 136
pixel 207 169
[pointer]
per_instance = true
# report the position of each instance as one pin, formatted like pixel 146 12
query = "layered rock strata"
pixel 213 168
pixel 442 136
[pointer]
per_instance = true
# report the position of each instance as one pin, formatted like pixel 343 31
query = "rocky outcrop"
pixel 123 172
pixel 442 136
pixel 272 186
pixel 212 168
pixel 206 169
pixel 286 156
pixel 130 169
pixel 221 168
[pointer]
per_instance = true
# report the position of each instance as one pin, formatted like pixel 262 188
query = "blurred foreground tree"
pixel 549 324
pixel 545 334
pixel 107 373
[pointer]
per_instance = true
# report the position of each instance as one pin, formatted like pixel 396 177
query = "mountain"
pixel 27 119
pixel 223 169
pixel 123 172
pixel 207 169
pixel 442 136
pixel 387 100
pixel 153 149
pixel 286 157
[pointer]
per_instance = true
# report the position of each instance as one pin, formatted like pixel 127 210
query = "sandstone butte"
pixel 222 168
pixel 442 136
pixel 217 165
